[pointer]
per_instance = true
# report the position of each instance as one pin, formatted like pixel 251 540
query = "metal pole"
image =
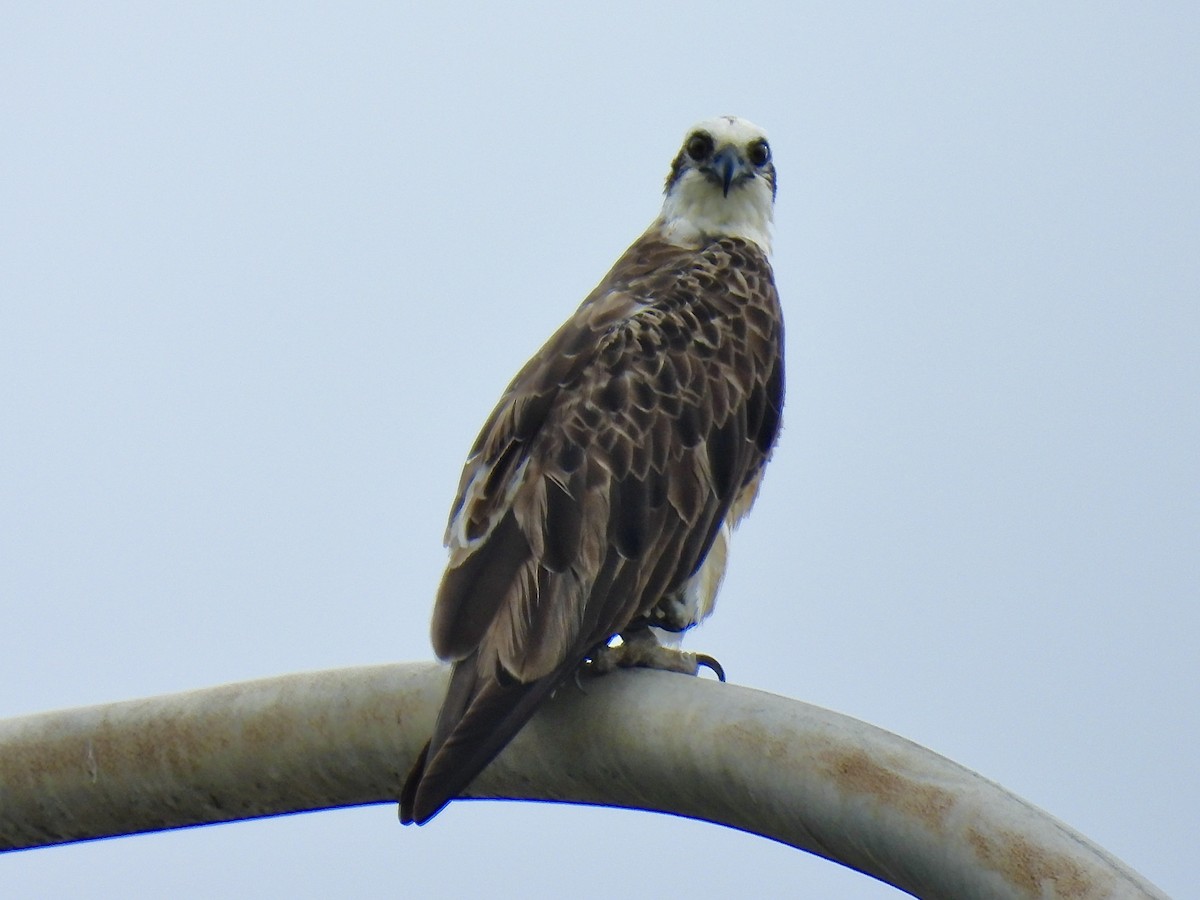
pixel 805 776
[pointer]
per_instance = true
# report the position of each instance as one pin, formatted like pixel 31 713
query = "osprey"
pixel 599 497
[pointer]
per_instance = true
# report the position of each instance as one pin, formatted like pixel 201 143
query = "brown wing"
pixel 597 485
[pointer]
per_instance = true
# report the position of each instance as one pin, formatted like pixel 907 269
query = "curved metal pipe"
pixel 808 777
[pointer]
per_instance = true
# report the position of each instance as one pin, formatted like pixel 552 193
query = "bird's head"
pixel 722 184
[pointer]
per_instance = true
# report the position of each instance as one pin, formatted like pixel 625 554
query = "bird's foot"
pixel 641 649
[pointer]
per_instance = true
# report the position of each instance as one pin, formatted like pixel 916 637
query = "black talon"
pixel 703 659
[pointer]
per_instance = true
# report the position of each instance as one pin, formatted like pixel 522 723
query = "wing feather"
pixel 472 592
pixel 599 484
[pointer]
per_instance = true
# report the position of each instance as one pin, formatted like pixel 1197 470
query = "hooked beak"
pixel 729 167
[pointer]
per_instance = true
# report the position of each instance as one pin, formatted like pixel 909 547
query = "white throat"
pixel 696 210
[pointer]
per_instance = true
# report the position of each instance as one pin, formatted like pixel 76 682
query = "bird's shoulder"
pixel 669 330
pixel 658 302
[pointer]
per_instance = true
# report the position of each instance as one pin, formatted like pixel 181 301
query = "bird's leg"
pixel 639 647
pixel 672 613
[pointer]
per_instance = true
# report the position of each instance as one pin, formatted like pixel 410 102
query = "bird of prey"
pixel 598 499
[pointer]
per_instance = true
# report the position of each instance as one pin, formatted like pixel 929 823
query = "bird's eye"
pixel 699 146
pixel 759 153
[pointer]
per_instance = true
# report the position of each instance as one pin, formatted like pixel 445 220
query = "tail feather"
pixel 480 716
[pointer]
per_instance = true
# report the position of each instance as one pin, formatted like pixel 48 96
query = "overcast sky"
pixel 264 270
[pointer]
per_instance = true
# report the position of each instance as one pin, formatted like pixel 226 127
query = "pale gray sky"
pixel 264 270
